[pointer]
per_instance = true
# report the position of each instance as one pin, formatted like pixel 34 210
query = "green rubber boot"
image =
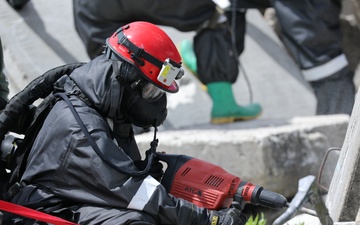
pixel 225 109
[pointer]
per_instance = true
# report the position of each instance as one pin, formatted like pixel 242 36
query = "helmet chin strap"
pixel 153 144
pixel 150 154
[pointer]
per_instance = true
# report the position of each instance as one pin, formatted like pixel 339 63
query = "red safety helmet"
pixel 151 50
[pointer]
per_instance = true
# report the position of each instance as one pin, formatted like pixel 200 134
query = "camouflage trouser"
pixel 4 85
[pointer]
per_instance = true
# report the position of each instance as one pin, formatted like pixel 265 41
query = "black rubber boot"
pixel 335 94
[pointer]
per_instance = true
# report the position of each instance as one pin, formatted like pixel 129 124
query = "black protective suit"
pixel 66 177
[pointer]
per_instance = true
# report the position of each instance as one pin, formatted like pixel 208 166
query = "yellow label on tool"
pixel 214 220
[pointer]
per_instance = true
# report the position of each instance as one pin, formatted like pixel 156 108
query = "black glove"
pixel 229 216
pixel 156 168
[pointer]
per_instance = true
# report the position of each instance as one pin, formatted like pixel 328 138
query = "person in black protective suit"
pixel 216 49
pixel 94 174
pixel 311 33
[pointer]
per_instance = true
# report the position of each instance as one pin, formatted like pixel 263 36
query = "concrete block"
pixel 343 199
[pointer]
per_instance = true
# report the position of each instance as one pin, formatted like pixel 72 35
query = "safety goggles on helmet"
pixel 148 90
pixel 151 92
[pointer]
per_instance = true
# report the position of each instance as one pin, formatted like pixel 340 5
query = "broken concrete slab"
pixel 343 199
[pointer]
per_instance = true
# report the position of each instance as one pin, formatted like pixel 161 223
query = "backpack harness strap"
pixel 96 147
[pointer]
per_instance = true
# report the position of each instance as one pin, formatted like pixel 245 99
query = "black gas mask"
pixel 143 113
pixel 144 104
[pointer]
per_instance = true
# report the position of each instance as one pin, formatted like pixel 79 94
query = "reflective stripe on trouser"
pixel 312 35
pixel 326 69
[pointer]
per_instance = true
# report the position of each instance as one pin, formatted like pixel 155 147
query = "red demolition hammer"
pixel 210 186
